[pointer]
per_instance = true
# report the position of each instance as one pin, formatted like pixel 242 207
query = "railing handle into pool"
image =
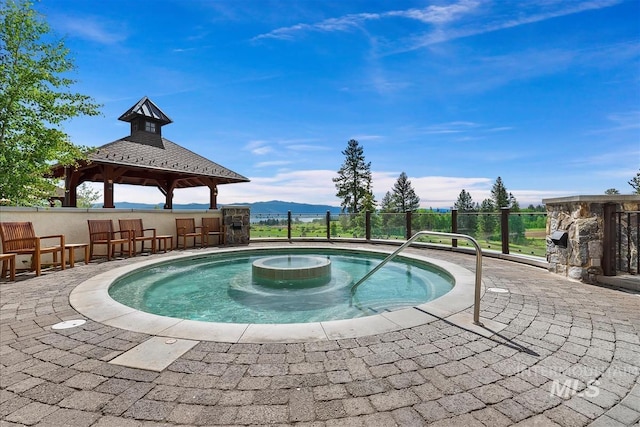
pixel 476 305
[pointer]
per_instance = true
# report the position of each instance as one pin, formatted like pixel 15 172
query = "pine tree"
pixel 386 205
pixel 513 203
pixel 464 202
pixel 635 183
pixel 487 220
pixel 404 196
pixel 354 178
pixel 467 220
pixel 368 205
pixel 499 195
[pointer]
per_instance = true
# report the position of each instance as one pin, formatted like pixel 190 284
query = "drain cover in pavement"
pixel 69 324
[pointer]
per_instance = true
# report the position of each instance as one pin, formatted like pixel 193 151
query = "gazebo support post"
pixel 110 174
pixel 71 178
pixel 213 197
pixel 108 193
pixel 167 190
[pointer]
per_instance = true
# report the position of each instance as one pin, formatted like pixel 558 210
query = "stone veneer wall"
pixel 582 217
pixel 237 225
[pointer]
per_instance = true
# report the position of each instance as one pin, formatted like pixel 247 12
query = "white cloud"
pixel 430 15
pixel 273 163
pixel 307 147
pixel 92 28
pixel 528 13
pixel 258 148
pixel 437 14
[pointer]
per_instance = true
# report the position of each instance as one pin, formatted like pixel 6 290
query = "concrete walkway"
pixel 569 356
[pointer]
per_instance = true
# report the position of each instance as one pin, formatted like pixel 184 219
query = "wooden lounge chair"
pixel 20 238
pixel 186 228
pixel 133 229
pixel 212 227
pixel 101 232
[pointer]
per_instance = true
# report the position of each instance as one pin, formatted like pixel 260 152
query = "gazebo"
pixel 145 158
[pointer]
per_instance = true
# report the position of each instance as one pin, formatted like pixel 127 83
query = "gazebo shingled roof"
pixel 146 158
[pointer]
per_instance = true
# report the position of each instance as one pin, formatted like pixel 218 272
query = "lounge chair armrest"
pixel 125 234
pixel 153 230
pixel 59 237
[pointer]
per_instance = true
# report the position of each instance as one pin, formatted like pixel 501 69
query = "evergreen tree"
pixel 386 205
pixel 404 196
pixel 464 202
pixel 499 195
pixel 635 183
pixel 611 191
pixel 388 213
pixel 354 178
pixel 34 102
pixel 487 220
pixel 513 203
pixel 467 219
pixel 368 205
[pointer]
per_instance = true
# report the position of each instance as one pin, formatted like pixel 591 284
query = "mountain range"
pixel 270 207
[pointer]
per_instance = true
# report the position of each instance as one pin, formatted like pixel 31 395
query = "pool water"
pixel 220 288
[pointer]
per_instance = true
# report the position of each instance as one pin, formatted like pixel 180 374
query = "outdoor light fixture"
pixel 559 238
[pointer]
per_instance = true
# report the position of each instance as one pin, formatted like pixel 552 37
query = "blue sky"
pixel 543 93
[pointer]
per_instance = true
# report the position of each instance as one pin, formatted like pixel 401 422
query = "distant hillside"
pixel 271 207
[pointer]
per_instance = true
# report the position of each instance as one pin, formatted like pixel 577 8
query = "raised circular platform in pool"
pixel 91 298
pixel 293 270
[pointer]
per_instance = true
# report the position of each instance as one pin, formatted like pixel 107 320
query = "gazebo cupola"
pixel 146 121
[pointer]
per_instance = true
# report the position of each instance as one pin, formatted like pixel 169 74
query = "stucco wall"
pixel 72 222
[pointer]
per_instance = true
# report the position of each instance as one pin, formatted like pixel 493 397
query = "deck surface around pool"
pixel 569 355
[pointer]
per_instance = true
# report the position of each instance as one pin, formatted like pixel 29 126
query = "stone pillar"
pixel 236 221
pixel 582 218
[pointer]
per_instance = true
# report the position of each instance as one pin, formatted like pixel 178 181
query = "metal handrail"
pixel 478 284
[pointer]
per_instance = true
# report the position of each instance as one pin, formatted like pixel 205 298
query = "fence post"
pixel 289 225
pixel 454 226
pixel 328 225
pixel 408 221
pixel 609 240
pixel 504 229
pixel 367 225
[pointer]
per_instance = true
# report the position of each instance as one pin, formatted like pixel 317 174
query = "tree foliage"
pixel 499 194
pixel 87 195
pixel 34 102
pixel 635 183
pixel 354 179
pixel 464 202
pixel 386 204
pixel 404 198
pixel 467 220
pixel 487 221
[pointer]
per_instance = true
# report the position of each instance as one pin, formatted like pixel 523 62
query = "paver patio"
pixel 570 356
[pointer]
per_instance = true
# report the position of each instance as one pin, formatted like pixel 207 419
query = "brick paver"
pixel 569 356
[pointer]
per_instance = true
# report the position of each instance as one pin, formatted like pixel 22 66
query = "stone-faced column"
pixel 236 220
